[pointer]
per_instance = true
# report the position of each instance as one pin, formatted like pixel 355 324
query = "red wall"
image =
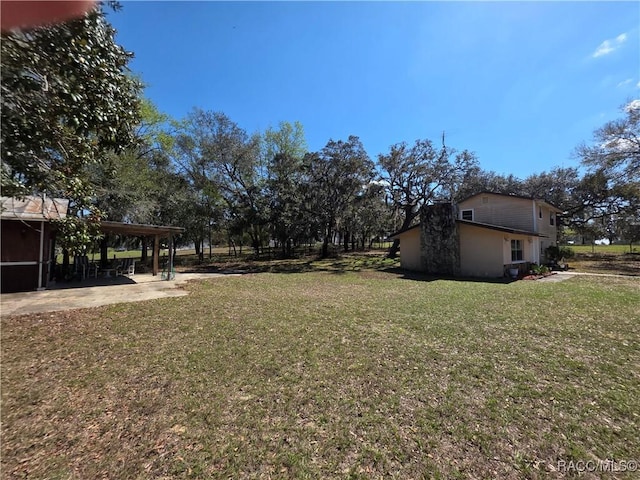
pixel 21 243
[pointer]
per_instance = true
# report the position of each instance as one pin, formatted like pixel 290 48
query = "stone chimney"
pixel 440 239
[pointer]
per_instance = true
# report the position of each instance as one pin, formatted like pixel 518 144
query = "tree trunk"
pixel 210 252
pixel 153 251
pixel 393 250
pixel 345 240
pixel 325 248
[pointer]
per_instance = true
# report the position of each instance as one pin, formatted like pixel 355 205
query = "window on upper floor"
pixel 552 218
pixel 539 212
pixel 467 215
pixel 517 252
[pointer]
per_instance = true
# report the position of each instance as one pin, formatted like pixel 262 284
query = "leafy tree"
pixel 224 166
pixel 610 191
pixel 417 175
pixel 288 139
pixel 629 229
pixel 285 148
pixel 597 199
pixel 367 217
pixel 615 149
pixel 556 187
pixel 191 160
pixel 476 180
pixel 335 177
pixel 67 100
pixel 285 195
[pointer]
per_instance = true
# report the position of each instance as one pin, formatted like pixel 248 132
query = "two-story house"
pixel 485 235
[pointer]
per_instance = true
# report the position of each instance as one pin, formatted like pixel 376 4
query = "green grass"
pixel 345 371
pixel 616 249
pixel 609 259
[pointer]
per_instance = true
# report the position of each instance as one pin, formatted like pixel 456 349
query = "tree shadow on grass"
pixel 271 266
pixel 424 277
pixel 364 264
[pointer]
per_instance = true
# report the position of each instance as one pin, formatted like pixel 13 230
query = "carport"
pixel 156 232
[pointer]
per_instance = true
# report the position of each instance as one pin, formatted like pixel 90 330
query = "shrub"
pixel 567 252
pixel 555 253
pixel 540 269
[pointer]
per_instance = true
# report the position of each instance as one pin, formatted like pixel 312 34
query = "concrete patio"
pixel 97 292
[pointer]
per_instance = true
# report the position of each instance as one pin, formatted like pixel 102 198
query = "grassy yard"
pixel 331 373
pixel 617 249
pixel 614 259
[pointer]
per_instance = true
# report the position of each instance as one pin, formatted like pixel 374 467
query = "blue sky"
pixel 518 83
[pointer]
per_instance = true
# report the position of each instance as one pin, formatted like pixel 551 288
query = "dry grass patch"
pixel 618 264
pixel 358 374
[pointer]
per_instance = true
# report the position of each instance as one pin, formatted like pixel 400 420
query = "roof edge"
pixel 400 232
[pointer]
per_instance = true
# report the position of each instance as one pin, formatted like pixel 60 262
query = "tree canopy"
pixel 75 124
pixel 68 99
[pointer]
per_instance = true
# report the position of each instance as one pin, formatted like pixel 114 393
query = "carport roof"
pixel 139 229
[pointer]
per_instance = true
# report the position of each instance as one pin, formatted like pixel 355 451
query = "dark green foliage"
pixel 67 100
pixel 554 253
pixel 335 176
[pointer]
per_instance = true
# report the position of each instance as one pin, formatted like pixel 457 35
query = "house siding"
pixel 545 228
pixel 481 252
pixel 410 250
pixel 501 210
pixel 548 232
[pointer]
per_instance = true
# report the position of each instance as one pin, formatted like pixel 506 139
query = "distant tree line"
pixel 75 124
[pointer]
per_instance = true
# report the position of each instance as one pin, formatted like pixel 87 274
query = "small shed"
pixel 27 236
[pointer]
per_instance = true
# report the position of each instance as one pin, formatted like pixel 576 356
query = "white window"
pixel 517 252
pixel 467 215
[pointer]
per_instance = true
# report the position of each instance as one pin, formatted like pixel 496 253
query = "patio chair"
pixel 127 267
pixel 92 270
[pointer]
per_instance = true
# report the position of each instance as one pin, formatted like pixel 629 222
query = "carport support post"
pixel 103 251
pixel 41 257
pixel 156 253
pixel 170 266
